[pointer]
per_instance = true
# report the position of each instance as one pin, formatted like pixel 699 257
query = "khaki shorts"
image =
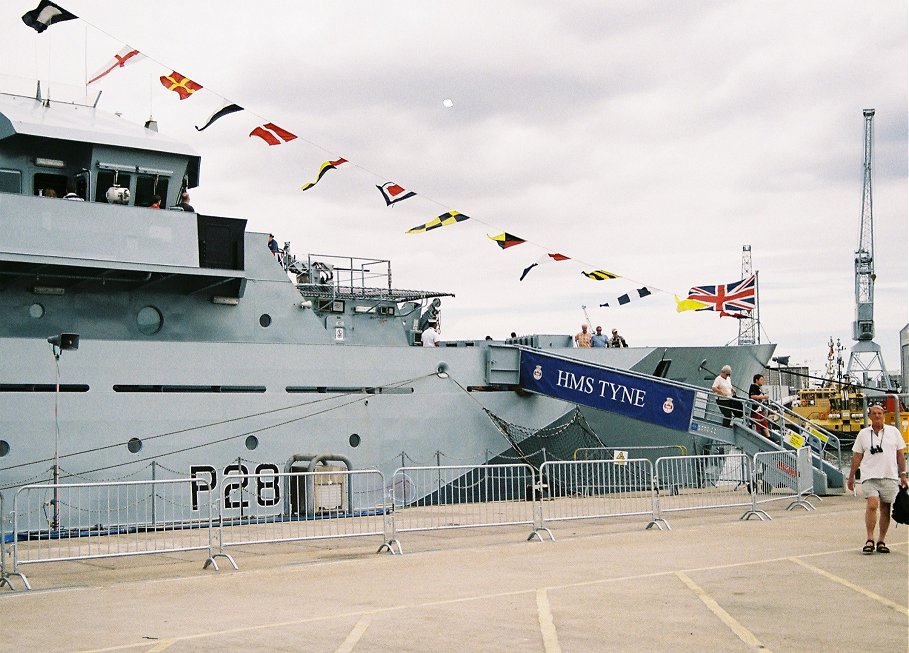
pixel 885 488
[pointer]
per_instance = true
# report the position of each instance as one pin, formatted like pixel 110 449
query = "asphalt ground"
pixel 798 582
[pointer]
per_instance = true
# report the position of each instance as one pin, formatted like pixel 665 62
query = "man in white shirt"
pixel 878 452
pixel 728 406
pixel 430 336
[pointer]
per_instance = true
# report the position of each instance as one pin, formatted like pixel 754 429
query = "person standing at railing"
pixel 728 404
pixel 757 412
pixel 878 452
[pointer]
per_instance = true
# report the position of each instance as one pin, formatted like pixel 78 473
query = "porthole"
pixel 354 440
pixel 134 445
pixel 4 448
pixel 149 320
pixel 252 442
pixel 36 311
pixel 265 319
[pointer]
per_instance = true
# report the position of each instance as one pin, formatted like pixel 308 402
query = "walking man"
pixel 878 452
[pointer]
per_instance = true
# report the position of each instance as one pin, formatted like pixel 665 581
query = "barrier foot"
pixel 389 546
pixel 214 565
pixel 760 513
pixel 800 502
pixel 536 534
pixel 659 522
pixel 5 580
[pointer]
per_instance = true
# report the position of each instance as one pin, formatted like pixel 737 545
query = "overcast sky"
pixel 652 139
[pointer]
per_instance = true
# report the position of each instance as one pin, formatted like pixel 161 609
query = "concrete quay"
pixel 712 583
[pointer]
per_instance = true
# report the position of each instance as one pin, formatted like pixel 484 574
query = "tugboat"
pixel 840 405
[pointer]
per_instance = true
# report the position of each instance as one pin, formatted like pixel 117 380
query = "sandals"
pixel 882 548
pixel 868 549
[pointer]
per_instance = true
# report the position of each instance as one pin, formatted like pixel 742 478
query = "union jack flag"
pixel 736 297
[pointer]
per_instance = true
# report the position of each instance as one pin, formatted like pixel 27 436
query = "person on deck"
pixel 617 340
pixel 184 202
pixel 729 406
pixel 598 340
pixel 758 416
pixel 582 338
pixel 430 337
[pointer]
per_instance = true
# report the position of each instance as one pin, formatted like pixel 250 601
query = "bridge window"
pixel 106 180
pixel 10 181
pixel 147 186
pixel 45 181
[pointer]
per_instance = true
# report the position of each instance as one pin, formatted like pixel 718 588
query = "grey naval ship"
pixel 136 341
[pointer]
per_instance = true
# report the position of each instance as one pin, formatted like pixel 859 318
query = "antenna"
pixel 749 333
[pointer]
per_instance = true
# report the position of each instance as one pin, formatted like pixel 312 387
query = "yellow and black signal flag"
pixel 447 218
pixel 600 275
pixel 506 240
pixel 325 167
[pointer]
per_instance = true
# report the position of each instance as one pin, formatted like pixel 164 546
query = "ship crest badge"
pixel 538 372
pixel 668 406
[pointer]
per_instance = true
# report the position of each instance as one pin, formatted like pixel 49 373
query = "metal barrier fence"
pixel 315 505
pixel 100 520
pixel 112 519
pixel 5 574
pixel 702 482
pixel 598 488
pixel 466 496
pixel 783 476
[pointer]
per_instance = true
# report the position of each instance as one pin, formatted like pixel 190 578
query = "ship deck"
pixel 712 583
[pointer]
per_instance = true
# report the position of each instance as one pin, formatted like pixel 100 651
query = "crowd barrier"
pixel 783 476
pixel 590 489
pixel 702 483
pixel 112 519
pixel 315 505
pixel 466 496
pixel 128 518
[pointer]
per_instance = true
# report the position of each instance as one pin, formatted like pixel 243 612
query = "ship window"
pixel 185 389
pixel 265 320
pixel 134 445
pixel 252 443
pixel 45 181
pixel 349 390
pixel 4 448
pixel 36 311
pixel 106 180
pixel 10 181
pixel 147 186
pixel 354 440
pixel 42 387
pixel 149 320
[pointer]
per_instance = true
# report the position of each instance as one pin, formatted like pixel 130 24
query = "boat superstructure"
pixel 200 349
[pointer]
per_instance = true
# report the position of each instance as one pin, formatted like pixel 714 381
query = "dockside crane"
pixel 865 361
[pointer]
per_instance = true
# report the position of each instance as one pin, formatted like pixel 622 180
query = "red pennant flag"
pixel 393 193
pixel 126 56
pixel 181 85
pixel 272 134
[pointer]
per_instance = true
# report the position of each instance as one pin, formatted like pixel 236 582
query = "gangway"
pixel 665 403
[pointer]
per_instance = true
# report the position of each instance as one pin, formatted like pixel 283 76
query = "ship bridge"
pixel 664 404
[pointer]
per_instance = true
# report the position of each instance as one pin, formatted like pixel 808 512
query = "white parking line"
pixel 348 644
pixel 735 626
pixel 861 590
pixel 547 625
